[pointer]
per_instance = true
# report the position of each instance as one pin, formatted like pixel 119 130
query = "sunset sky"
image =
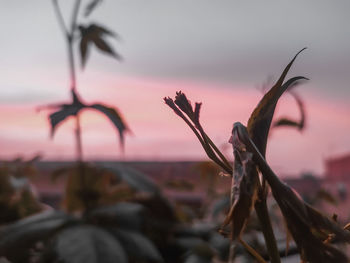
pixel 217 52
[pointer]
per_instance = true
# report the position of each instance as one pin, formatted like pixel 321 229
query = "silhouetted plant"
pixel 87 36
pixel 310 229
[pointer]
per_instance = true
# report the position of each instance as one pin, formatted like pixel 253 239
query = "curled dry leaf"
pixel 300 124
pixel 307 225
pixel 243 190
pixel 260 120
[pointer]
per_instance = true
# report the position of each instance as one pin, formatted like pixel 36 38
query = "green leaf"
pixel 134 178
pixel 88 244
pixel 260 120
pixel 94 34
pixel 23 234
pixel 124 215
pixel 137 246
pixel 91 7
pixel 115 117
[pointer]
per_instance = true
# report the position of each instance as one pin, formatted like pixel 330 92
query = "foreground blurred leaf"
pixel 134 178
pixel 220 206
pixel 88 244
pixel 137 246
pixel 94 34
pixel 23 234
pixel 323 195
pixel 221 245
pixel 202 253
pixel 308 226
pixel 125 215
pixel 85 187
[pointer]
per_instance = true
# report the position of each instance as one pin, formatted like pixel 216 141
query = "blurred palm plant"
pixel 309 228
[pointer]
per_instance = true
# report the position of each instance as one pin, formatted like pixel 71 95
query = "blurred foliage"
pixel 110 219
pixel 17 195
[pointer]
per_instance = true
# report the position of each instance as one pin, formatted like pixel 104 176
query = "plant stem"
pixel 79 147
pixel 231 255
pixel 69 36
pixel 252 251
pixel 73 82
pixel 266 227
pixel 60 17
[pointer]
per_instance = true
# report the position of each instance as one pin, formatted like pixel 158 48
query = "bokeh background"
pixel 217 52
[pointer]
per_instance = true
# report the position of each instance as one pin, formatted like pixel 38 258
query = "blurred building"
pixel 337 183
pixel 338 168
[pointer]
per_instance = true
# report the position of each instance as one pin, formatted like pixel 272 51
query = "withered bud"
pixel 169 101
pixel 184 104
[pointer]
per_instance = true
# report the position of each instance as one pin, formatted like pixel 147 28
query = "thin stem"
pixel 211 154
pixel 75 16
pixel 203 139
pixel 78 139
pixel 60 17
pixel 69 36
pixel 73 81
pixel 231 255
pixel 266 227
pixel 215 148
pixel 73 84
pixel 252 251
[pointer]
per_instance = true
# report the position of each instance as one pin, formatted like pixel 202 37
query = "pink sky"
pixel 160 135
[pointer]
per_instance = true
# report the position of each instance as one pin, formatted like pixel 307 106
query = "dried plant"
pixel 308 227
